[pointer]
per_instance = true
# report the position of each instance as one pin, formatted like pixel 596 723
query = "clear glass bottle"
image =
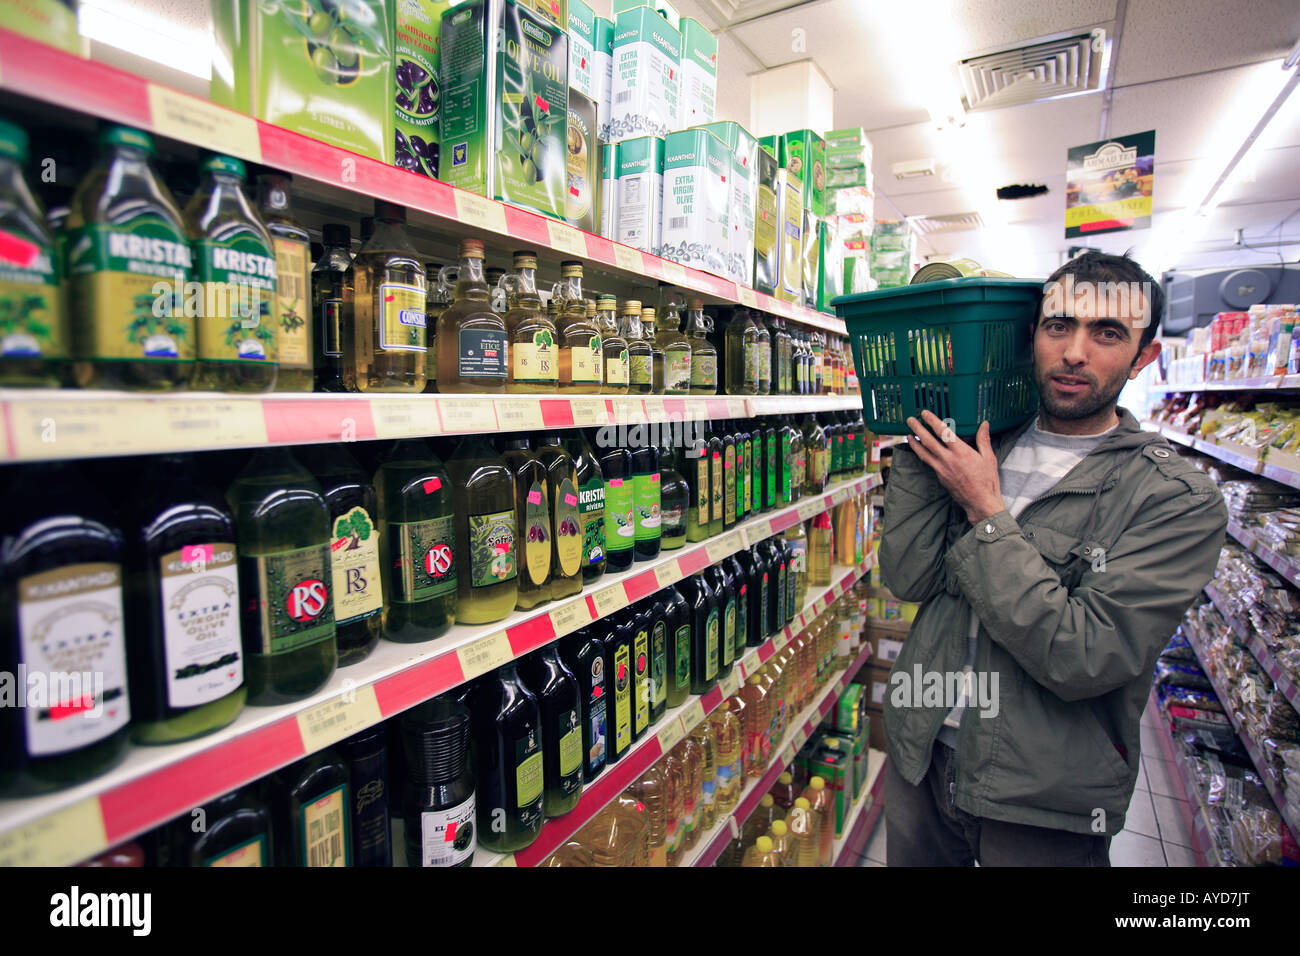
pixel 581 354
pixel 704 356
pixel 816 461
pixel 614 346
pixel 486 535
pixel 639 350
pixel 743 354
pixel 676 348
pixel 473 349
pixel 436 301
pixel 292 245
pixel 534 355
pixel 533 519
pixel 766 385
pixel 784 353
pixel 331 280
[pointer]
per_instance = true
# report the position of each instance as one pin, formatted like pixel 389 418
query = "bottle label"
pixel 491 548
pixel 34 323
pixel 423 559
pixel 742 618
pixel 447 837
pixel 292 292
pixel 289 599
pixel 622 698
pixel 704 371
pixel 726 781
pixel 764 610
pixel 585 362
pixel 249 853
pixel 706 798
pixel 787 466
pixel 535 362
pixel 715 486
pixel 753 371
pixel 702 489
pixel 568 528
pixel 645 499
pixel 482 354
pixel 70 620
pixel 323 831
pixel 200 607
pixel 746 480
pixel 530 776
pixel 537 535
pixel 641 660
pixel 682 656
pixel 674 834
pixel 674 521
pixel 331 327
pixel 728 638
pixel 568 731
pixel 616 372
pixel 711 646
pixel 677 371
pixel 354 562
pixel 729 481
pixel 591 514
pixel 769 486
pixel 235 322
pixel 640 370
pixel 596 711
pixel 116 274
pixel 688 823
pixel 620 521
pixel 659 664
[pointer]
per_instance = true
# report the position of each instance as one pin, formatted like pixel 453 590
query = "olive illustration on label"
pixel 464 836
pixel 414 154
pixel 338 34
pixel 417 90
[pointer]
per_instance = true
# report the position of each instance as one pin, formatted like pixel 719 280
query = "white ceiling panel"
pixel 983 25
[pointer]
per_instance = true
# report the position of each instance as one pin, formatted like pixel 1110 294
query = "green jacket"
pixel 1076 599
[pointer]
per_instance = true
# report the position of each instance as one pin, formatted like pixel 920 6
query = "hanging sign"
pixel 1108 185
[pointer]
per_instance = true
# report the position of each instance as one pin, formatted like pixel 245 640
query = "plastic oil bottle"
pixel 822 803
pixel 486 535
pixel 758 727
pixel 651 791
pixel 782 843
pixel 762 854
pixel 674 807
pixel 534 365
pixel 805 834
pixel 533 519
pixel 785 792
pixel 708 811
pixel 329 277
pixel 581 354
pixel 729 775
pixel 290 316
pixel 691 755
pixel 473 344
pixel 566 518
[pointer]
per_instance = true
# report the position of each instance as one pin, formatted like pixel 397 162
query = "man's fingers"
pixel 924 454
pixel 921 434
pixel 982 440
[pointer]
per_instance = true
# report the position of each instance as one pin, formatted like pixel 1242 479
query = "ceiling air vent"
pixel 1045 69
pixel 958 222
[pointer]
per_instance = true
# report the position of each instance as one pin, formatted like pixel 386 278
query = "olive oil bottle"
pixel 533 518
pixel 438 787
pixel 740 590
pixel 728 439
pixel 473 346
pixel 646 503
pixel 283 527
pixel 705 636
pixel 765 370
pixel 676 348
pixel 236 831
pixel 755 575
pixel 581 352
pixel 674 502
pixel 617 641
pixel 771 464
pixel 310 802
pixel 613 346
pixel 640 367
pixel 534 353
pixel 508 759
pixel 719 579
pixel 816 457
pixel 292 246
pixel 715 451
pixel 676 617
pixel 566 527
pixel 436 301
pixel 124 235
pixel 650 332
pixel 704 355
pixel 61 578
pixel 743 350
pixel 234 260
pixel 640 618
pixel 695 471
pixel 620 509
pixel 34 339
pixel 591 505
pixel 486 534
pixel 331 286
pixel 559 699
pixel 355 548
pixel 584 656
pixel 184 658
pixel 421 565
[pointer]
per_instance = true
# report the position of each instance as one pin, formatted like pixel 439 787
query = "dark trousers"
pixel 924 828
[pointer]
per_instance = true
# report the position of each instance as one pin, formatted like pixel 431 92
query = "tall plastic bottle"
pixel 691 755
pixel 674 807
pixel 707 814
pixel 728 776
pixel 651 790
pixel 804 832
pixel 758 727
pixel 785 792
pixel 822 802
pixel 761 854
pixel 782 842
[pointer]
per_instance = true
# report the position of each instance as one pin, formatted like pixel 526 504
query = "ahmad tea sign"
pixel 1108 185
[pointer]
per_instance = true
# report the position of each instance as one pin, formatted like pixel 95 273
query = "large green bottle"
pixel 676 616
pixel 695 471
pixel 331 286
pixel 617 639
pixel 533 518
pixel 486 535
pixel 705 637
pixel 417 528
pixel 646 503
pixel 719 578
pixel 620 510
pixel 509 766
pixel 310 802
pixel 236 831
pixel 591 505
pixel 284 578
pixel 674 502
pixel 566 520
pixel 584 656
pixel 715 451
pixel 559 698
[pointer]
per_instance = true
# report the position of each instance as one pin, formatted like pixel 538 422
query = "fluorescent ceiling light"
pixel 121 25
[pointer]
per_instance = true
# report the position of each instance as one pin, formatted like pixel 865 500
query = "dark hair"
pixel 1103 267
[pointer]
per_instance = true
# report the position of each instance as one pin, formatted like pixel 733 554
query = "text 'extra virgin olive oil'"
pixel 473 349
pixel 566 518
pixel 292 246
pixel 355 548
pixel 418 529
pixel 234 261
pixel 384 323
pixel 591 505
pixel 34 342
pixel 559 698
pixel 438 789
pixel 533 519
pixel 509 765
pixel 331 286
pixel 620 510
pixel 487 537
pixel 182 587
pixel 285 579
pixel 534 365
pixel 125 244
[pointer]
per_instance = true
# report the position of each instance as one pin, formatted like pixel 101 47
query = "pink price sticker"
pixel 17 251
pixel 570 499
pixel 616 482
pixel 432 485
pixel 196 554
pixel 654 479
pixel 534 497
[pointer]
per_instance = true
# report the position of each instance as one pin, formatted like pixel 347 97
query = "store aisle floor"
pixel 1153 834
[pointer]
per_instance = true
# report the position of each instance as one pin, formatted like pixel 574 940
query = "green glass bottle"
pixel 236 831
pixel 591 504
pixel 705 637
pixel 771 464
pixel 695 471
pixel 533 517
pixel 310 802
pixel 284 578
pixel 728 439
pixel 674 502
pixel 719 579
pixel 639 620
pixel 509 766
pixel 646 501
pixel 559 699
pixel 418 530
pixel 740 589
pixel 620 512
pixel 584 656
pixel 816 456
pixel 658 631
pixel 486 535
pixel 676 616
pixel 329 277
pixel 291 245
pixel 715 450
pixel 566 520
pixel 616 636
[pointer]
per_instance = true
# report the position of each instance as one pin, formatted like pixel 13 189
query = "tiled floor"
pixel 1153 834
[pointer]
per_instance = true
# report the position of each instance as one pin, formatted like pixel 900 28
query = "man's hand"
pixel 969 474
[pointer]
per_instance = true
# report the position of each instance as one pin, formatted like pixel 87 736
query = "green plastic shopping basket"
pixel 962 348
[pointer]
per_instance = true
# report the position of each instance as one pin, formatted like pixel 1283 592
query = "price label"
pixel 564 238
pixel 654 409
pixel 197 121
pixel 485 654
pixel 736 408
pixel 779 642
pixel 339 717
pixel 742 535
pixel 629 259
pixel 744 667
pixel 61 838
pixel 667 574
pixel 787 755
pixel 718 548
pixel 693 715
pixel 519 414
pixel 589 411
pixel 747 297
pixel 481 212
pixel 672 271
pixel 809 508
pixel 730 684
pixel 569 617
pixel 405 418
pixel 507 860
pixel 469 415
pixel 672 733
pixel 610 599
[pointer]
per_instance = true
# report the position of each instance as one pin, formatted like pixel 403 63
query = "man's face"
pixel 1086 346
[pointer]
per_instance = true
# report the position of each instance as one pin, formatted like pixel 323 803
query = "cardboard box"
pixel 699 74
pixel 850 136
pixel 646 91
pixel 886 643
pixel 834 764
pixel 876 732
pixel 876 679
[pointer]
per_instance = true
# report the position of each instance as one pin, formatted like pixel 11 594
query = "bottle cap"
pixel 570 268
pixel 767 801
pixel 764 844
pixel 785 778
pixel 336 234
pixel 779 828
pixel 216 163
pixel 831 742
pixel 435 736
pixel 13 141
pixel 392 210
pixel 607 303
pixel 695 304
pixel 817 783
pixel 525 259
pixel 126 136
pixel 647 313
pixel 631 306
pixel 802 803
pixel 471 248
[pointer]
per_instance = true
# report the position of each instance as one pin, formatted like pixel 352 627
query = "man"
pixel 1052 566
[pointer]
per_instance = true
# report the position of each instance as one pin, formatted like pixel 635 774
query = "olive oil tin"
pixel 582 152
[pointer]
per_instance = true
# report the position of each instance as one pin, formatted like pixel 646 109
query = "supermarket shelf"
pixel 155 784
pixel 67 423
pixel 1237 459
pixel 1263 383
pixel 865 813
pixel 1256 758
pixel 673 726
pixel 56 79
pixel 1192 820
pixel 1246 634
pixel 711 844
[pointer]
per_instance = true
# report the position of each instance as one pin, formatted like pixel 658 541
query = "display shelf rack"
pixel 710 845
pixel 673 726
pixel 155 784
pixel 1246 462
pixel 1258 649
pixel 1266 383
pixel 47 424
pixel 54 78
pixel 1187 806
pixel 865 813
